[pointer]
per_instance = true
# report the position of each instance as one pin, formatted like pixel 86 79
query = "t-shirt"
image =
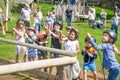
pixel 26 14
pixel 69 13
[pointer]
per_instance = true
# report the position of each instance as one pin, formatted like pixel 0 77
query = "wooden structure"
pixel 5 69
pixel 78 10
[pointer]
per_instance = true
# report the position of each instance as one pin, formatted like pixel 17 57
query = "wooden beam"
pixel 34 73
pixel 5 69
pixel 56 51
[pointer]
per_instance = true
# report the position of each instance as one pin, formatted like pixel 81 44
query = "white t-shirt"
pixel 26 14
pixel 70 45
pixel 39 15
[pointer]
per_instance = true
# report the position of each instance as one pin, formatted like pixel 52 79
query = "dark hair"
pixel 19 21
pixel 32 29
pixel 76 33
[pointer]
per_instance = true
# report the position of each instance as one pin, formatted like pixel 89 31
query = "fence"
pixel 78 9
pixel 5 69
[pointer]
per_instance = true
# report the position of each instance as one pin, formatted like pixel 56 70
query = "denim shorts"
pixel 90 65
pixel 32 53
pixel 41 53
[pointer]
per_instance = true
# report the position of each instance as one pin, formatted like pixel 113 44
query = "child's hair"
pixel 35 14
pixel 19 21
pixel 59 22
pixel 76 33
pixel 32 29
pixel 112 34
pixel 42 35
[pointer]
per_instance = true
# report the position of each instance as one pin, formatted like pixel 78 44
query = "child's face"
pixel 21 24
pixel 88 44
pixel 105 38
pixel 57 26
pixel 72 36
pixel 30 32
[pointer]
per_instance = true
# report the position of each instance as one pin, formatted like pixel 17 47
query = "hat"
pixel 32 29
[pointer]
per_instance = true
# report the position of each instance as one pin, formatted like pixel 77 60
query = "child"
pixel 91 18
pixel 19 31
pixel 98 24
pixel 115 21
pixel 109 61
pixel 49 20
pixel 56 41
pixel 31 38
pixel 89 54
pixel 42 41
pixel 36 23
pixel 72 45
pixel 103 15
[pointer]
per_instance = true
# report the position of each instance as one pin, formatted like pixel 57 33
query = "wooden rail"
pixel 56 51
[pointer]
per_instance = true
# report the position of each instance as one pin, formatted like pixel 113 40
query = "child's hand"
pixel 89 54
pixel 89 37
pixel 46 42
pixel 83 49
pixel 14 29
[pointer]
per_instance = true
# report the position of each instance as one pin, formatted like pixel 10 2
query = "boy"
pixel 108 49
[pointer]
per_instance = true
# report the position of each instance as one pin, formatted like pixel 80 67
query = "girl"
pixel 72 45
pixel 89 54
pixel 19 31
pixel 103 15
pixel 109 61
pixel 49 20
pixel 36 23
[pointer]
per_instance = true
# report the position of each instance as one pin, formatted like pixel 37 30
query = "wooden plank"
pixel 35 73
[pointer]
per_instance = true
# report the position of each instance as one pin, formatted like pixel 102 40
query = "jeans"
pixel 69 21
pixel 116 28
pixel 114 73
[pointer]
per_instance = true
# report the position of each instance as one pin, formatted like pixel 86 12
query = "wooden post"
pixel 7 15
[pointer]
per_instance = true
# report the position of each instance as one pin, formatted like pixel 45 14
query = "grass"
pixel 7 51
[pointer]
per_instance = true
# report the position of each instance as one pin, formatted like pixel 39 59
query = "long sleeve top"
pixel 109 60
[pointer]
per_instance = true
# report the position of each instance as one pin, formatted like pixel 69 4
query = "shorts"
pixel 52 55
pixel 27 23
pixel 90 65
pixel 103 19
pixel 41 53
pixel 32 53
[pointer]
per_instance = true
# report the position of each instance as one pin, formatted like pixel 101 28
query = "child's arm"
pixel 77 50
pixel 116 50
pixel 14 29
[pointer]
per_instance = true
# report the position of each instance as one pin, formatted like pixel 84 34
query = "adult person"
pixel 25 12
pixel 69 16
pixel 116 9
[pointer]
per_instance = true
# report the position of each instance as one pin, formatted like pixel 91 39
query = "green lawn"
pixel 7 51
